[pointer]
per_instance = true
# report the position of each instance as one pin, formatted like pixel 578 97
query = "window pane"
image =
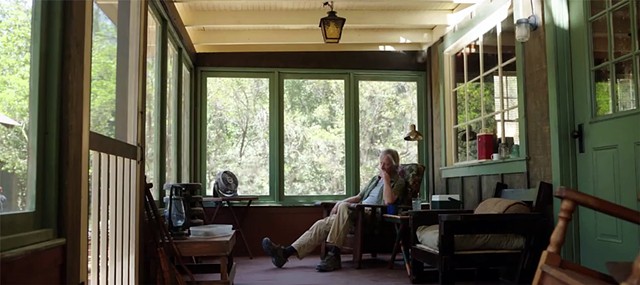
pixel 637 25
pixel 614 2
pixel 599 40
pixel 172 93
pixel 490 50
pixel 624 86
pixel 507 39
pixel 103 69
pixel 602 91
pixel 314 137
pixel 488 89
pixel 153 62
pixel 622 31
pixel 598 6
pixel 387 108
pixel 473 62
pixel 460 143
pixel 510 86
pixel 238 132
pixel 186 124
pixel 474 100
pixel 457 62
pixel 459 97
pixel 466 142
pixel 15 65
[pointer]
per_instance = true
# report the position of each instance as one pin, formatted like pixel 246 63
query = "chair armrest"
pixel 364 206
pixel 491 223
pixel 430 217
pixel 326 204
pixel 326 207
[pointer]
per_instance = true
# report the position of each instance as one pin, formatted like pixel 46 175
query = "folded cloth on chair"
pixel 501 205
pixel 429 235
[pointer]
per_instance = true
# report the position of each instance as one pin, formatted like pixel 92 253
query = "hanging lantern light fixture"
pixel 331 25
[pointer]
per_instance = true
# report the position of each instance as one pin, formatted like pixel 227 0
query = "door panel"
pixel 605 80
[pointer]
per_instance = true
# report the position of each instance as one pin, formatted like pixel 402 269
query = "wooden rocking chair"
pixel 552 269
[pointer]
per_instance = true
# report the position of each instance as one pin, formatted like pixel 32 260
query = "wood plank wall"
pixel 283 224
pixel 48 263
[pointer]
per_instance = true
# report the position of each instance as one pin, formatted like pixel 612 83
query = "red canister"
pixel 485 145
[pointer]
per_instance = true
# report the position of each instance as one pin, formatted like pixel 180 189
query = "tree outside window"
pixel 15 68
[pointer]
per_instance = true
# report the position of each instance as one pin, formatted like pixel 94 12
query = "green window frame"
pixel 174 147
pixel 615 59
pixel 277 130
pixel 38 225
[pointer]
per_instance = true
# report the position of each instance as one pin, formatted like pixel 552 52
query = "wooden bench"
pixel 450 259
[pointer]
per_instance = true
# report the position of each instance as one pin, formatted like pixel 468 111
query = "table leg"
pixel 224 270
pixel 405 250
pixel 396 246
pixel 238 226
pixel 215 213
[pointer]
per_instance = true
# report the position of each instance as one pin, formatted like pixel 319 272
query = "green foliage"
pixel 15 53
pixel 603 98
pixel 314 131
pixel 475 105
pixel 237 131
pixel 387 108
pixel 314 137
pixel 103 73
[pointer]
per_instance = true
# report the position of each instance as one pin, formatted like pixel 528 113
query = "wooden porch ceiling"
pixel 292 25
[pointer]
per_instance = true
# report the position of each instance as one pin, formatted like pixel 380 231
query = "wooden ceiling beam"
pixel 351 1
pixel 374 36
pixel 308 47
pixel 370 18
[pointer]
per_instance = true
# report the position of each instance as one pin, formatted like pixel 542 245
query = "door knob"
pixel 579 134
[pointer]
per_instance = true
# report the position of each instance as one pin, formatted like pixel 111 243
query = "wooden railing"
pixel 113 211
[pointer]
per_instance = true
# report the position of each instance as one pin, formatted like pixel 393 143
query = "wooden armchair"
pixel 509 235
pixel 554 270
pixel 369 233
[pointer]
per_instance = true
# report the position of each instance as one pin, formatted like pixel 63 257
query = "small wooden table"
pixel 237 222
pixel 219 248
pixel 401 222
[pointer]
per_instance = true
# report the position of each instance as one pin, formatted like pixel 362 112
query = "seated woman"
pixel 384 188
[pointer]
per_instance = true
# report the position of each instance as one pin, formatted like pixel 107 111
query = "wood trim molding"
pixel 174 17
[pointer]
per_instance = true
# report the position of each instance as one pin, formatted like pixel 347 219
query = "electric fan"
pixel 226 184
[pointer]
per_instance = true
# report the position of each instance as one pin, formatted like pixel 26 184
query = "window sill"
pixel 485 167
pixel 24 240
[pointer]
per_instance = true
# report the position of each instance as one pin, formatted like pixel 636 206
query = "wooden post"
pixel 74 135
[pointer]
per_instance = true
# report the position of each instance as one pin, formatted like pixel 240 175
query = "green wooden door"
pixel 606 71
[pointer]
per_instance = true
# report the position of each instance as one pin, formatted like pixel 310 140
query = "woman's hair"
pixel 394 155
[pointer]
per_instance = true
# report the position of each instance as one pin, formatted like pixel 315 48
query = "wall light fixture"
pixel 524 18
